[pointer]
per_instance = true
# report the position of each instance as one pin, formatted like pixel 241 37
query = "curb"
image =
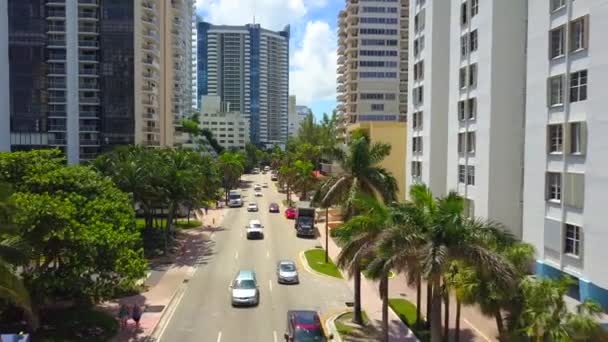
pixel 331 326
pixel 167 313
pixel 304 263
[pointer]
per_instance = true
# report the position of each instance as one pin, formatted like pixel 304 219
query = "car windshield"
pixel 244 284
pixel 255 225
pixel 306 220
pixel 314 334
pixel 235 196
pixel 288 267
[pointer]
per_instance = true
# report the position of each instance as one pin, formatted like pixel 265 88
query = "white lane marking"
pixel 270 285
pixel 274 335
pixel 241 234
pixel 268 254
pixel 170 312
pixel 219 336
pixel 236 255
pixel 477 330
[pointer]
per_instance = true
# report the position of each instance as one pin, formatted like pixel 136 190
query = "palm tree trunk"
pixel 436 309
pixel 499 323
pixel 384 294
pixel 326 235
pixel 457 333
pixel 429 296
pixel 446 316
pixel 418 299
pixel 357 316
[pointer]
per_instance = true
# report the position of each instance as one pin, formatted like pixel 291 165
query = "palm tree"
pixel 231 167
pixel 361 174
pixel 359 236
pixel 13 252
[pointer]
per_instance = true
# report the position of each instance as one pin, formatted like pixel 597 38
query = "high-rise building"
pixel 194 59
pixel 373 61
pixel 248 67
pixel 86 75
pixel 229 128
pixel 429 85
pixel 486 108
pixel 566 158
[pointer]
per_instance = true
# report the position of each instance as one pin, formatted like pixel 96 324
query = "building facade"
pixel 486 108
pixel 429 28
pixel 248 67
pixel 565 179
pixel 372 63
pixel 86 75
pixel 229 127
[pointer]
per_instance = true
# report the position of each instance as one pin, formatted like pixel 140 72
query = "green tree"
pixel 200 136
pixel 362 174
pixel 545 315
pixel 231 167
pixel 305 179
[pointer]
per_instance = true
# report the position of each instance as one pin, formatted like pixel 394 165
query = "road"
pixel 205 314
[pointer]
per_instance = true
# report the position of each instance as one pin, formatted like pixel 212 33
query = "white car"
pixel 258 194
pixel 257 187
pixel 255 230
pixel 252 206
pixel 287 273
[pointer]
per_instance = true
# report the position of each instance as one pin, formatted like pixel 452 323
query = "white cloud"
pixel 272 14
pixel 313 65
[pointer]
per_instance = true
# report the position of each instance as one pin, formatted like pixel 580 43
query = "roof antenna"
pixel 254 3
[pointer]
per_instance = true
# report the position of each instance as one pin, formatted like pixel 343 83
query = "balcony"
pixel 88 58
pixel 88 14
pixel 56 70
pixel 56 114
pixel 55 28
pixel 89 114
pixel 89 100
pixel 150 61
pixel 89 128
pixel 86 3
pixel 88 72
pixel 90 28
pixel 57 99
pixel 56 84
pixel 150 20
pixel 55 3
pixel 149 6
pixel 55 13
pixel 89 85
pixel 56 42
pixel 54 141
pixel 151 130
pixel 57 128
pixel 151 75
pixel 90 44
pixel 151 35
pixel 89 142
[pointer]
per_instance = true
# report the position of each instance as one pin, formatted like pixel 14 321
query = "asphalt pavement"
pixel 204 313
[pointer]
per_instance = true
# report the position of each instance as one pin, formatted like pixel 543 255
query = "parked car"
pixel 266 168
pixel 244 289
pixel 273 208
pixel 252 206
pixel 255 171
pixel 304 325
pixel 255 230
pixel 287 273
pixel 291 213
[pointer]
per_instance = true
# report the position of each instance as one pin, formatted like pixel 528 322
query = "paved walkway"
pixel 168 278
pixel 474 326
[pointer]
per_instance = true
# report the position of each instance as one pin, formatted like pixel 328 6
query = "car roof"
pixel 245 274
pixel 273 204
pixel 252 203
pixel 304 317
pixel 251 222
pixel 286 262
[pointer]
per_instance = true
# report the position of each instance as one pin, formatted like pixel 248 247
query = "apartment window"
pixel 464 45
pixel 578 86
pixel 419 71
pixel 474 8
pixel 417 145
pixel 554 186
pixel 471 142
pixel 461 110
pixel 464 18
pixel 556 138
pixel 462 174
pixel 419 21
pixel 578 33
pixel 556 90
pixel 472 108
pixel 416 169
pixel 574 189
pixel 417 120
pixel 473 38
pixel 472 75
pixel 461 143
pixel 572 243
pixel 470 175
pixel 469 208
pixel 557 4
pixel 557 40
pixel 390 96
pixel 418 45
pixel 578 137
pixel 377 106
pixel 462 77
pixel 418 94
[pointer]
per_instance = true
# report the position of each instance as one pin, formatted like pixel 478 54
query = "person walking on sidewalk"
pixel 136 315
pixel 123 315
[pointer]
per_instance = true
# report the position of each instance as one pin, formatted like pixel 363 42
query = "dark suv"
pixel 304 326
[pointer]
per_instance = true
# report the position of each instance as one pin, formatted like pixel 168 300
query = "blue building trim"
pixel 202 64
pixel 254 83
pixel 587 289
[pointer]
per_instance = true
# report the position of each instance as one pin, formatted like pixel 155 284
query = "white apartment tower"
pixel 486 108
pixel 429 86
pixel 372 63
pixel 566 150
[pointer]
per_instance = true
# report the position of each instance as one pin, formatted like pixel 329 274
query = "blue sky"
pixel 312 46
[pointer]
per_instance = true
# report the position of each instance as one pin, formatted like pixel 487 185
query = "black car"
pixel 304 325
pixel 273 208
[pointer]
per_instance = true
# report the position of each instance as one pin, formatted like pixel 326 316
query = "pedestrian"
pixel 123 315
pixel 206 209
pixel 136 314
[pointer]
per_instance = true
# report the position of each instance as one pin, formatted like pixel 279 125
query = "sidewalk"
pixel 370 299
pixel 166 279
pixel 483 330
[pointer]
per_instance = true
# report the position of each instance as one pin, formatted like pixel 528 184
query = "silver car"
pixel 287 273
pixel 244 289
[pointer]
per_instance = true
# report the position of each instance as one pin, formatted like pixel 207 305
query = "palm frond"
pixel 383 182
pixel 378 151
pixel 487 261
